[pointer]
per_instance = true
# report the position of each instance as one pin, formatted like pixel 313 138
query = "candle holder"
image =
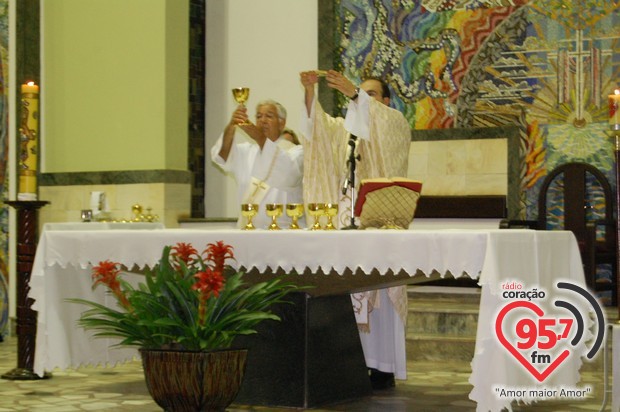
pixel 27 223
pixel 615 133
pixel 614 110
pixel 614 127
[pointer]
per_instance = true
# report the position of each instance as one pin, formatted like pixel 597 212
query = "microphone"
pixel 345 186
pixel 351 149
pixel 352 145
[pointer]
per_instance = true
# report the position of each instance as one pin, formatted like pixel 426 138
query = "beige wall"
pixel 114 85
pixel 114 97
pixel 460 167
pixel 167 201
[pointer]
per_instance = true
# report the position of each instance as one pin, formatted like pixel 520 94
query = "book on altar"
pixel 387 203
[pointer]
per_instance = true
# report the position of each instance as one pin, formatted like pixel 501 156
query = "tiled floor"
pixel 431 386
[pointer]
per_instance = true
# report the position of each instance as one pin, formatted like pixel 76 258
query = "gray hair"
pixel 281 110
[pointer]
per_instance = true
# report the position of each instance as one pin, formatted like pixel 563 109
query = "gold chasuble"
pixel 383 153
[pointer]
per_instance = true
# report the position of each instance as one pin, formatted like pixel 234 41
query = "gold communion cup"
pixel 249 210
pixel 241 95
pixel 316 210
pixel 331 210
pixel 274 210
pixel 294 211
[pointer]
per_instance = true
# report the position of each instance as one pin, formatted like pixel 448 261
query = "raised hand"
pixel 338 81
pixel 308 78
pixel 240 116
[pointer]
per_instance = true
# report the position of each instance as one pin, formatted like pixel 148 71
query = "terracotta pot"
pixel 194 381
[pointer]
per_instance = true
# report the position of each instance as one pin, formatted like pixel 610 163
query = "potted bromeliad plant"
pixel 184 318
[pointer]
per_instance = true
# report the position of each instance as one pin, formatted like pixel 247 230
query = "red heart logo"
pixel 539 375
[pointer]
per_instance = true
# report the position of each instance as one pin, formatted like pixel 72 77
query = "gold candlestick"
pixel 614 127
pixel 614 110
pixel 617 158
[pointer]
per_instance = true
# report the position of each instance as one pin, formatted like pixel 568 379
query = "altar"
pixel 336 262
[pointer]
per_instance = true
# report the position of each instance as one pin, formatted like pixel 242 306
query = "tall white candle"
pixel 28 142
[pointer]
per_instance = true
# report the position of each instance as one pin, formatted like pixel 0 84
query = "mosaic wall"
pixel 546 66
pixel 4 171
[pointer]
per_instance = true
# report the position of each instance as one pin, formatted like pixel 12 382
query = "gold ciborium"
pixel 249 210
pixel 294 211
pixel 316 210
pixel 331 210
pixel 274 210
pixel 241 95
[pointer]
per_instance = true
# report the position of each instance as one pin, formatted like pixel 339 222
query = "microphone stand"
pixel 350 181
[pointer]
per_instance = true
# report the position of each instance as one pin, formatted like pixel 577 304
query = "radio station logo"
pixel 541 336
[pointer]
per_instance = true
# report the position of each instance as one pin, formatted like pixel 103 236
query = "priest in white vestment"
pixel 267 167
pixel 383 137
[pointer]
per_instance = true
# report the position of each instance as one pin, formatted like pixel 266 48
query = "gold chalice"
pixel 241 95
pixel 249 210
pixel 316 210
pixel 331 210
pixel 274 210
pixel 294 211
pixel 137 213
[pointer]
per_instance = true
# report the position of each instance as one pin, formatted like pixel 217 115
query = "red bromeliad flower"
pixel 106 273
pixel 207 283
pixel 184 252
pixel 218 253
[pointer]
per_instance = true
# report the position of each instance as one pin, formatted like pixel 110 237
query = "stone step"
pixel 432 347
pixel 423 295
pixel 442 311
pixel 442 323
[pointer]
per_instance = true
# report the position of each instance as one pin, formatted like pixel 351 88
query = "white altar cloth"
pixel 63 260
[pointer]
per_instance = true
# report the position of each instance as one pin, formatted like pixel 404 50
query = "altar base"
pixel 312 357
